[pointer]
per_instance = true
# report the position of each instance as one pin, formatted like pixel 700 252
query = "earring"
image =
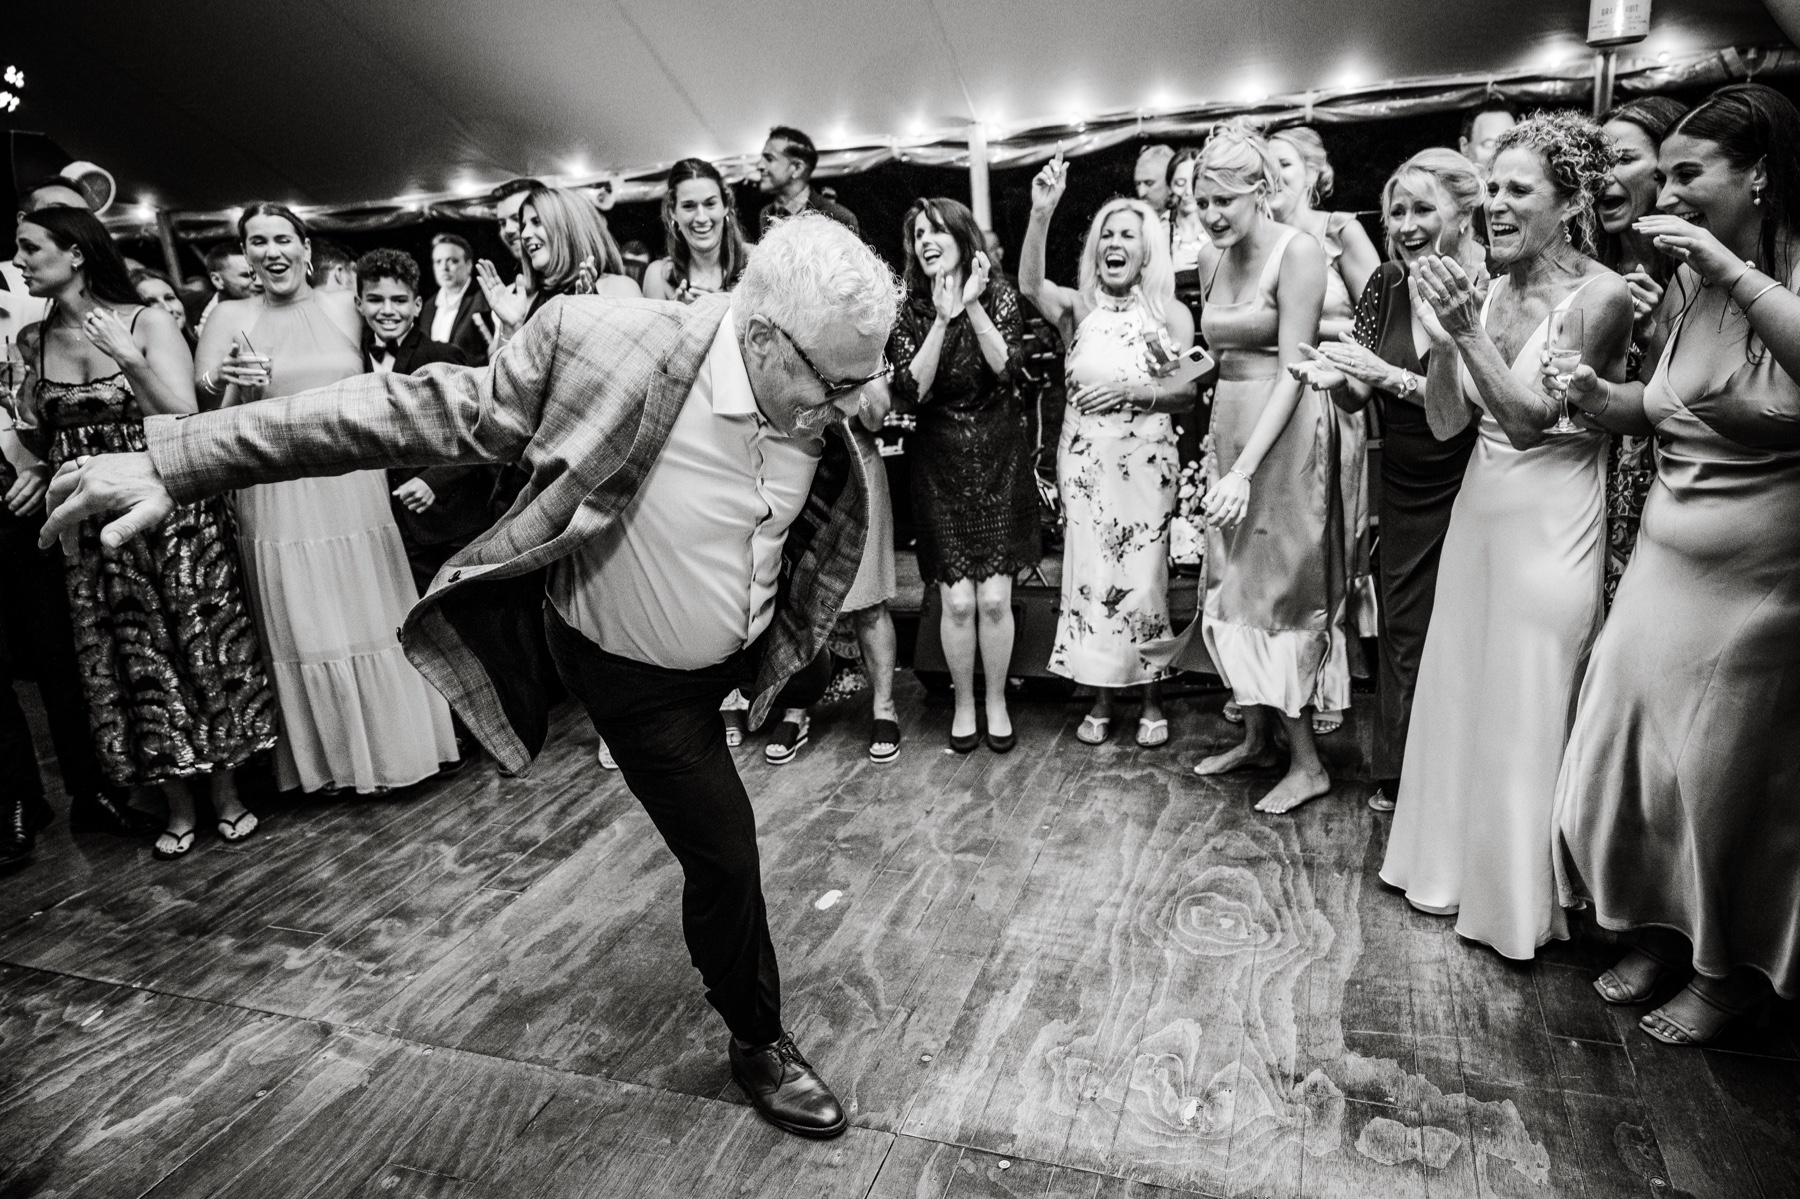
pixel 1756 195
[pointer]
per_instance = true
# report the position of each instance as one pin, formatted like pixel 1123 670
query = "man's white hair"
pixel 808 272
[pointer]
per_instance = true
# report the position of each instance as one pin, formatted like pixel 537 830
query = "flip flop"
pixel 179 845
pixel 240 829
pixel 1152 733
pixel 1326 723
pixel 1094 730
pixel 1232 712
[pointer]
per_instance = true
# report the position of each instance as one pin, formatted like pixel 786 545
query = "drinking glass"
pixel 1562 354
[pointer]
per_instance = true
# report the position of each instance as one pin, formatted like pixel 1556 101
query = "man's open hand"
pixel 101 485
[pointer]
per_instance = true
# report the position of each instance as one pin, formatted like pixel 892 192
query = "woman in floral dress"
pixel 1117 464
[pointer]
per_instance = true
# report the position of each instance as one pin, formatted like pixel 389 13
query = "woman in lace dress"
pixel 955 352
pixel 168 652
pixel 1116 465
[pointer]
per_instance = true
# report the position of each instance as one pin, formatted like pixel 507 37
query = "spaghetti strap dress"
pixel 168 652
pixel 1516 612
pixel 1273 618
pixel 330 581
pixel 1679 801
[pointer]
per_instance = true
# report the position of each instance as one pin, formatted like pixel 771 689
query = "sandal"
pixel 1152 733
pixel 177 845
pixel 1613 989
pixel 1326 723
pixel 1380 800
pixel 1669 1031
pixel 1094 729
pixel 1233 712
pixel 789 736
pixel 240 829
pixel 884 742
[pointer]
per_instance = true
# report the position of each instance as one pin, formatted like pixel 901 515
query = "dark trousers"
pixel 664 730
pixel 37 642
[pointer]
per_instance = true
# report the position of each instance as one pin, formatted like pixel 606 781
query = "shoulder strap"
pixel 134 318
pixel 1272 265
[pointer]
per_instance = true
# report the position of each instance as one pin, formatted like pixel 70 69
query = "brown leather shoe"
pixel 786 1091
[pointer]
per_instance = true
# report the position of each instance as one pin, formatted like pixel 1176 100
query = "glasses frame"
pixel 833 391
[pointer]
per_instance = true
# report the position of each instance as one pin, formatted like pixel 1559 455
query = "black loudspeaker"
pixel 1036 606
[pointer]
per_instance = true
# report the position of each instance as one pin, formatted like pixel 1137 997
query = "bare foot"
pixel 1295 788
pixel 1242 756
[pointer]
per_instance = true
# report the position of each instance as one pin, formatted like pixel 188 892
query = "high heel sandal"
pixel 1611 987
pixel 1665 1028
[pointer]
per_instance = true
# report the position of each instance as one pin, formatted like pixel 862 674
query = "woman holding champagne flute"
pixel 1518 598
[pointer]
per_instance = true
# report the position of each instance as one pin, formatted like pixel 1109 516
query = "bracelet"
pixel 1759 295
pixel 1738 278
pixel 208 386
pixel 1240 474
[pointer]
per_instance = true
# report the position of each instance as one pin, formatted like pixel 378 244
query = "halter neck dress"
pixel 168 652
pixel 1117 474
pixel 330 580
pixel 1677 804
pixel 1272 621
pixel 1517 608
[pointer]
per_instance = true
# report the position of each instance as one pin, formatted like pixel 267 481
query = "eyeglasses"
pixel 833 391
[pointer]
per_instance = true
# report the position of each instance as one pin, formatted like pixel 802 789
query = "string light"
pixel 10 99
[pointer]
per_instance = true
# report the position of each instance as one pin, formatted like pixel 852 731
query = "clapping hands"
pixel 508 301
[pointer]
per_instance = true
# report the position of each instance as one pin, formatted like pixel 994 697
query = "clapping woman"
pixel 1429 208
pixel 323 557
pixel 168 652
pixel 955 350
pixel 1518 595
pixel 704 248
pixel 1675 810
pixel 1116 465
pixel 565 249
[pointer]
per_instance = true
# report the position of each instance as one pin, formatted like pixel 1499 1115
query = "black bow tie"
pixel 383 351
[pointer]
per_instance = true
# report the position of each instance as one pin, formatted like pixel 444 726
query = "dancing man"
pixel 730 571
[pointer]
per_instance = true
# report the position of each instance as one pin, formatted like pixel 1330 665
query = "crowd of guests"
pixel 1579 347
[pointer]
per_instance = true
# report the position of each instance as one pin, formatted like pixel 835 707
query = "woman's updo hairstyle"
pixel 1238 159
pixel 276 210
pixel 1578 159
pixel 1311 147
pixel 1454 178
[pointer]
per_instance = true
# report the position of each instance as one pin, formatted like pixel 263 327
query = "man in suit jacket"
pixel 455 313
pixel 727 418
pixel 439 509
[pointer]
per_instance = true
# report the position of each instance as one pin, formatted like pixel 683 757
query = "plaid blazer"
pixel 584 398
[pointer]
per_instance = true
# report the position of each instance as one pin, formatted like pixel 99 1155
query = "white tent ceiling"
pixel 206 103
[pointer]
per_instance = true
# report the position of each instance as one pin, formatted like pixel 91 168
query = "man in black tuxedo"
pixel 456 313
pixel 439 509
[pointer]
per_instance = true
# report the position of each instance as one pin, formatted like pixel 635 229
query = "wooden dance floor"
pixel 1065 972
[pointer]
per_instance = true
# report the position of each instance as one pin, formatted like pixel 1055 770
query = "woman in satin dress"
pixel 1518 593
pixel 1676 810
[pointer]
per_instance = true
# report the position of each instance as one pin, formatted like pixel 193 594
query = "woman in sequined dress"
pixel 168 651
pixel 955 352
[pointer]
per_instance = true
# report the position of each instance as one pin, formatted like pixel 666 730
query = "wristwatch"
pixel 1409 383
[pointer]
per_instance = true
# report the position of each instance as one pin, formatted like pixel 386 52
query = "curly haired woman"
pixel 1518 597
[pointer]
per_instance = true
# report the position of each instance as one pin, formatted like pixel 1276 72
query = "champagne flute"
pixel 1562 354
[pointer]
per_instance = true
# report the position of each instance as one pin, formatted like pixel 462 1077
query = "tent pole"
pixel 165 234
pixel 1605 65
pixel 978 176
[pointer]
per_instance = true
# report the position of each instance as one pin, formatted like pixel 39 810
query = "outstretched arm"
pixel 441 416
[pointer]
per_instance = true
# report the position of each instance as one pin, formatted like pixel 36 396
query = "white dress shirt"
pixel 443 318
pixel 687 576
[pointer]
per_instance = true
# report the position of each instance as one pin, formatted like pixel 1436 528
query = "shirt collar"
pixel 730 378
